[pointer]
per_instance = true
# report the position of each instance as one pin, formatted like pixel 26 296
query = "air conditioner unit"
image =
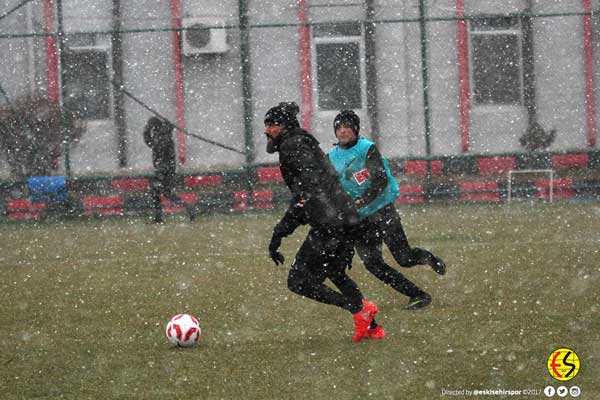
pixel 203 36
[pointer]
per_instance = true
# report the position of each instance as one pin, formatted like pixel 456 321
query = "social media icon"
pixel 549 391
pixel 575 391
pixel 562 391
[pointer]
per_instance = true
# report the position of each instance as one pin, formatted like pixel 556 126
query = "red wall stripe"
pixel 305 66
pixel 463 74
pixel 51 54
pixel 589 74
pixel 179 98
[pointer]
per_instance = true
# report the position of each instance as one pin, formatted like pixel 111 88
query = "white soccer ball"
pixel 183 330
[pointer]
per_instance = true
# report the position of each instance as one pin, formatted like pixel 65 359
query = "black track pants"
pixel 321 257
pixel 165 187
pixel 385 226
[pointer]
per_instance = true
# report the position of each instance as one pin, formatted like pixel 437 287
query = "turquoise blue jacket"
pixel 351 167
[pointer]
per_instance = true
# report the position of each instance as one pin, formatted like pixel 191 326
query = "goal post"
pixel 549 172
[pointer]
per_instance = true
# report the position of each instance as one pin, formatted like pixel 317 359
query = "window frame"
pixel 99 46
pixel 515 31
pixel 339 39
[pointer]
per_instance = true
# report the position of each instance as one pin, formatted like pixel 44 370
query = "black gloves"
pixel 274 253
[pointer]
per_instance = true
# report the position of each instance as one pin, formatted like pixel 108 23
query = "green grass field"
pixel 85 303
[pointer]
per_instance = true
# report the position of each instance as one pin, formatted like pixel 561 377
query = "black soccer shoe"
pixel 418 302
pixel 438 265
pixel 192 212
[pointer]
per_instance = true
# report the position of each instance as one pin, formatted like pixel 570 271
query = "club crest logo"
pixel 563 364
pixel 362 176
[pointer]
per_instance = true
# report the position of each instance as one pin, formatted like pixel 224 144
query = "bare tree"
pixel 33 135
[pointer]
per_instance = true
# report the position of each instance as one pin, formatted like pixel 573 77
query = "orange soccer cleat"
pixel 362 320
pixel 375 333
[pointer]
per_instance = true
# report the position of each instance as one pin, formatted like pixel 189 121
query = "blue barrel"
pixel 47 189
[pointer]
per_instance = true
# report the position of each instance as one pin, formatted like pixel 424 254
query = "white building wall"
pixel 275 75
pixel 148 73
pixel 560 74
pixel 492 128
pixel 596 55
pixel 213 93
pixel 442 55
pixel 400 90
pixel 96 151
pixel 213 83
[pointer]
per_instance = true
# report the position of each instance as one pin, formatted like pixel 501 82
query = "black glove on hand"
pixel 274 253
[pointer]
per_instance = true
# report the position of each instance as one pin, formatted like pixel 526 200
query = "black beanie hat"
pixel 348 118
pixel 161 125
pixel 283 114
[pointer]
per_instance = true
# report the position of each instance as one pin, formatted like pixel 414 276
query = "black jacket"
pixel 309 175
pixel 160 140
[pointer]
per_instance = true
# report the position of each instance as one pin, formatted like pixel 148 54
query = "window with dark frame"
pixel 338 66
pixel 496 60
pixel 86 78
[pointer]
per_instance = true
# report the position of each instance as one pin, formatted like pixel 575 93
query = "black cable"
pixel 6 14
pixel 147 107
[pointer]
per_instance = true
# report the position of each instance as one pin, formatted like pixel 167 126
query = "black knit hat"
pixel 283 114
pixel 349 119
pixel 160 125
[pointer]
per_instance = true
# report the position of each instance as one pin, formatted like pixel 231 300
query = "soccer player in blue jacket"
pixel 366 177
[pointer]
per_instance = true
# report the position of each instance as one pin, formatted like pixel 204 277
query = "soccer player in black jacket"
pixel 158 136
pixel 318 195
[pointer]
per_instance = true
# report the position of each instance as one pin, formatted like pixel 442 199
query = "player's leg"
pixel 392 232
pixel 155 193
pixel 369 248
pixel 338 245
pixel 371 255
pixel 169 193
pixel 307 276
pixel 348 287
